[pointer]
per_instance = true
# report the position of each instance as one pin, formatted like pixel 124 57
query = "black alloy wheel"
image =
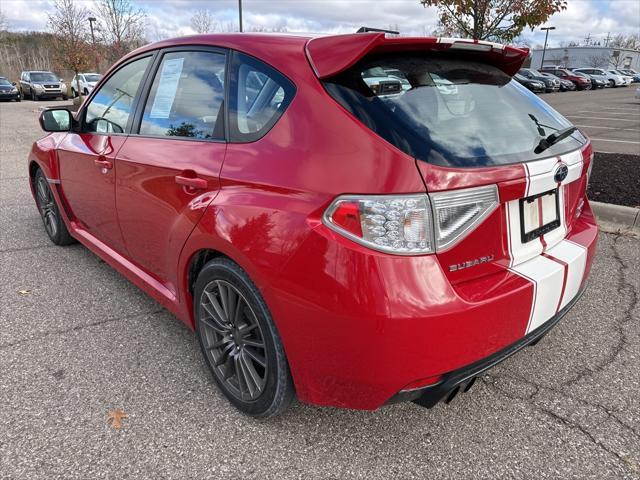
pixel 53 223
pixel 239 340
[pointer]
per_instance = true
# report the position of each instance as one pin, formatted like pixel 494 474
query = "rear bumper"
pixel 359 327
pixel 462 379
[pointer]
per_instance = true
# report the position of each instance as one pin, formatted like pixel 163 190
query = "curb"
pixel 616 218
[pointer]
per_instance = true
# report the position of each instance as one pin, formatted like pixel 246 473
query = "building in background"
pixel 596 57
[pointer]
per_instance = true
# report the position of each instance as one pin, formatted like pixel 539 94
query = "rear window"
pixel 449 112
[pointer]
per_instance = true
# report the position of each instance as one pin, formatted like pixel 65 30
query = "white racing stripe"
pixel 575 256
pixel 547 277
pixel 556 279
pixel 553 265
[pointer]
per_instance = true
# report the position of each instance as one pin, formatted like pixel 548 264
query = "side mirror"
pixel 13 83
pixel 56 120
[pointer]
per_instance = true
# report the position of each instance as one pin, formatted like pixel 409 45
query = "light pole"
pixel 544 49
pixel 93 40
pixel 240 13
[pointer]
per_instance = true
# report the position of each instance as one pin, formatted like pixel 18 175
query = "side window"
pixel 186 97
pixel 110 108
pixel 258 97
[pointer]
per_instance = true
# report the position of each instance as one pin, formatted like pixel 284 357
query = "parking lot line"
pixel 631 109
pixel 607 128
pixel 591 111
pixel 601 118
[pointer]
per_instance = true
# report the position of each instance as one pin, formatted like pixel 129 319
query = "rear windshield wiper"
pixel 554 138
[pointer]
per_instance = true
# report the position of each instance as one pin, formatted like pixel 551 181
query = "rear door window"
pixel 258 97
pixel 450 112
pixel 186 97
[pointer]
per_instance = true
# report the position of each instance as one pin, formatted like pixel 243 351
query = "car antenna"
pixel 370 29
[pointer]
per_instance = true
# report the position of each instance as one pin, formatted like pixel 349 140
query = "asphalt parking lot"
pixel 611 117
pixel 78 341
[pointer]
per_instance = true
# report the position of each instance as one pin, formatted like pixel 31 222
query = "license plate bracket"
pixel 539 214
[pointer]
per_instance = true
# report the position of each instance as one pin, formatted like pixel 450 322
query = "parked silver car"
pixel 612 79
pixel 40 84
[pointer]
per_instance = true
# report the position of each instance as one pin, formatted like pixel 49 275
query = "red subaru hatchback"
pixel 355 220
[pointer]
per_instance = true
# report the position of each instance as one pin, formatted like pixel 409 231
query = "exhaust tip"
pixel 469 385
pixel 452 395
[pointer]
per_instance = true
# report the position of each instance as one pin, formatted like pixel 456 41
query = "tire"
pixel 251 369
pixel 19 98
pixel 74 94
pixel 65 97
pixel 34 96
pixel 612 84
pixel 86 92
pixel 49 212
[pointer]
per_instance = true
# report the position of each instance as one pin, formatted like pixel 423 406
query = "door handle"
pixel 193 182
pixel 102 163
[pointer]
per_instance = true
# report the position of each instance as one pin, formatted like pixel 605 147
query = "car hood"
pixel 6 88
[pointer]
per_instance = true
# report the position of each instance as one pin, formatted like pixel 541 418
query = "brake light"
pixel 411 224
pixel 398 224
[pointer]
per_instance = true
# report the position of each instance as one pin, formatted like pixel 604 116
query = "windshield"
pixel 455 113
pixel 38 77
pixel 4 81
pixel 92 78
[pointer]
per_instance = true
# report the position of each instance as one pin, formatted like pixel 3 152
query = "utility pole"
pixel 606 41
pixel 240 13
pixel 93 40
pixel 544 49
pixel 587 40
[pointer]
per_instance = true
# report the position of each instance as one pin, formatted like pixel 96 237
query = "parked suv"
pixel 551 84
pixel 323 236
pixel 612 79
pixel 579 81
pixel 83 83
pixel 39 85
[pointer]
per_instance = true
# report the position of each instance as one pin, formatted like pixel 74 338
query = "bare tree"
pixel 598 61
pixel 202 21
pixel 121 26
pixel 4 24
pixel 626 41
pixel 69 25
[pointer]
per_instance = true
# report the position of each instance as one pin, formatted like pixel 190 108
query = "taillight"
pixel 411 224
pixel 457 212
pixel 399 224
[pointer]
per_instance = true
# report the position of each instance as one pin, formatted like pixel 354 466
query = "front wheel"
pixel 240 341
pixel 53 222
pixel 612 83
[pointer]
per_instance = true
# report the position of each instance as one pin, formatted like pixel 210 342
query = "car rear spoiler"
pixel 333 54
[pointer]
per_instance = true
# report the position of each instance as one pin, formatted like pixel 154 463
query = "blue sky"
pixel 169 18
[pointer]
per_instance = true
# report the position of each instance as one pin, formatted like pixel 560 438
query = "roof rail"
pixel 381 30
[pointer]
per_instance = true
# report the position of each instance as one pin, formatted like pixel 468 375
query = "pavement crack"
pixel 77 328
pixel 530 400
pixel 24 249
pixel 625 290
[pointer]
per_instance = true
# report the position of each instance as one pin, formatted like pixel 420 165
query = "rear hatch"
pixel 499 195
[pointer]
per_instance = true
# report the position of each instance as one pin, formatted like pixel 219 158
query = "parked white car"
pixel 627 78
pixel 86 83
pixel 614 80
